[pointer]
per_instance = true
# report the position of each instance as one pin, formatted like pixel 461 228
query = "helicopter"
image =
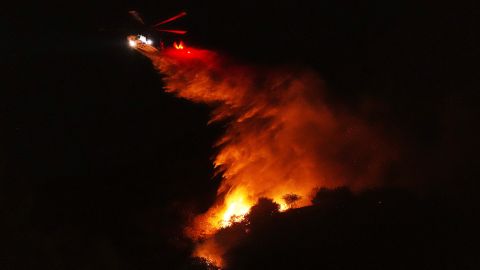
pixel 145 43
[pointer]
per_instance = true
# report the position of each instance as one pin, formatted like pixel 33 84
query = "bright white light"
pixel 149 42
pixel 132 43
pixel 142 39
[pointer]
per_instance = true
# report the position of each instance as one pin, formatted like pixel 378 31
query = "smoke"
pixel 282 141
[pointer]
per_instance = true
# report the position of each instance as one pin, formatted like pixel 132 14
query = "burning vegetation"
pixel 282 141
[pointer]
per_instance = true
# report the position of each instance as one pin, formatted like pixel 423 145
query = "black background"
pixel 100 169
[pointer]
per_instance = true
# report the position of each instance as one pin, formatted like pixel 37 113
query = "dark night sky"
pixel 99 168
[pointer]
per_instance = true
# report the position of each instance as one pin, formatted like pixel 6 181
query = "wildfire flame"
pixel 282 140
pixel 236 209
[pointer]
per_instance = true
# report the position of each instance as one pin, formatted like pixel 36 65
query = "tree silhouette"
pixel 291 200
pixel 262 211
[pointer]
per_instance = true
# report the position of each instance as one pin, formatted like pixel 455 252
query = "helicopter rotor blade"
pixel 182 14
pixel 136 16
pixel 179 32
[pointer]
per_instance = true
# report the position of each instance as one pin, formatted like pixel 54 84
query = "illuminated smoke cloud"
pixel 282 140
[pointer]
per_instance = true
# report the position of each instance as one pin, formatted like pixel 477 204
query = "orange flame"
pixel 282 140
